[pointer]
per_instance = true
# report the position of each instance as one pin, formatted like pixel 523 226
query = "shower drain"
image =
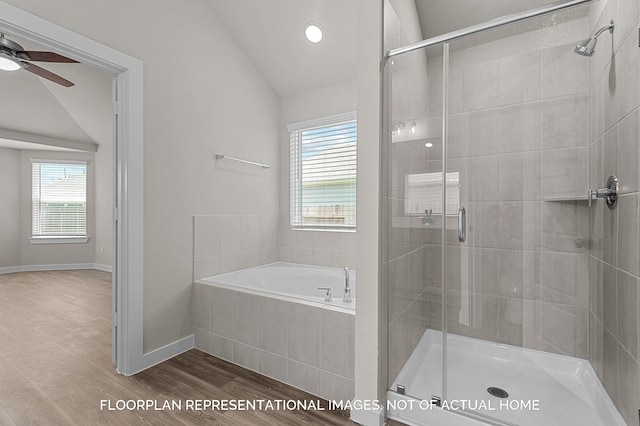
pixel 497 392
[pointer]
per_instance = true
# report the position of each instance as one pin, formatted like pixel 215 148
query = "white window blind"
pixel 59 199
pixel 323 173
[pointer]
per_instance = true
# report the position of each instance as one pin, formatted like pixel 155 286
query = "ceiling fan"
pixel 13 57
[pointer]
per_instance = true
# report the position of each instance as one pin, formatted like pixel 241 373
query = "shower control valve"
pixel 609 193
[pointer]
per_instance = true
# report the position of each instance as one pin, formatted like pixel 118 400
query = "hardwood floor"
pixel 55 365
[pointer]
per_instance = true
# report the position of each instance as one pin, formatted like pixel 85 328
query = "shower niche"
pixel 494 326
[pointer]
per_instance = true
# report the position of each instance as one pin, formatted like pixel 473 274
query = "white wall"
pixel 323 248
pixel 9 208
pixel 50 254
pixel 206 97
pixel 367 372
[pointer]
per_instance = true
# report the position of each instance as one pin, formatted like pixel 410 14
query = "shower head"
pixel 587 47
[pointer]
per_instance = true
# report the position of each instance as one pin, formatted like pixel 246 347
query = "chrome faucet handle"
pixel 327 297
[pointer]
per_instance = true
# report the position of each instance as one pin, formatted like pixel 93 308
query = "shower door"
pixel 515 265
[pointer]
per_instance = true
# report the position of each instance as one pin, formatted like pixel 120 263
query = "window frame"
pixel 295 171
pixel 53 238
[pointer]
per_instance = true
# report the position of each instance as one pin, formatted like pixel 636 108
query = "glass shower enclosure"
pixel 486 233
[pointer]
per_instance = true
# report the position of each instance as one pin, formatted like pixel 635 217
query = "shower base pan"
pixel 543 388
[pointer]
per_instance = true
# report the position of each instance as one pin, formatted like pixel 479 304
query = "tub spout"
pixel 347 289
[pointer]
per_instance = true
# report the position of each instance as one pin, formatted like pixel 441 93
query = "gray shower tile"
pixel 627 61
pixel 628 235
pixel 519 78
pixel 484 178
pixel 564 278
pixel 480 86
pixel 565 172
pixel 628 312
pixel 482 224
pixel 473 315
pixel 565 328
pixel 484 132
pixel 627 153
pixel 563 72
pixel 511 320
pixel 596 287
pixel 519 225
pixel 628 386
pixel 520 127
pixel 610 298
pixel 563 122
pixel 595 165
pixel 520 274
pixel 565 227
pixel 519 176
pixel 610 364
pixel 596 344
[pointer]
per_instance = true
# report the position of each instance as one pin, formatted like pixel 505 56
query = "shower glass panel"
pixel 412 194
pixel 517 287
pixel 489 131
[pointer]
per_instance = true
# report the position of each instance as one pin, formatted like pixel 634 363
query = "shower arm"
pixel 603 29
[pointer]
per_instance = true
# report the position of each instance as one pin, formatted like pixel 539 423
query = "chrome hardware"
pixel 400 389
pixel 427 219
pixel 609 193
pixel 436 400
pixel 347 290
pixel 327 297
pixel 462 225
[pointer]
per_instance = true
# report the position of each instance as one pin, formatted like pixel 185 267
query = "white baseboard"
pixel 101 267
pixel 55 267
pixel 9 270
pixel 368 417
pixel 165 353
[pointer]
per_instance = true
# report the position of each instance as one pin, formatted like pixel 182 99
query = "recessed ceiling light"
pixel 8 64
pixel 313 33
pixel 428 144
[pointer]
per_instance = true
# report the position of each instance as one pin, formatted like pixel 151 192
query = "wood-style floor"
pixel 55 365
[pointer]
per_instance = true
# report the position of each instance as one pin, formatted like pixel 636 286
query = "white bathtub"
pixel 272 319
pixel 291 280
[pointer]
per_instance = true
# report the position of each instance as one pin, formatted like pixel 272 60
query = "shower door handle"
pixel 462 224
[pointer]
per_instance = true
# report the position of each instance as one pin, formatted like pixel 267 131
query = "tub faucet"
pixel 347 289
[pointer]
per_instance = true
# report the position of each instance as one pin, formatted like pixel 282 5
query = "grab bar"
pixel 462 225
pixel 222 157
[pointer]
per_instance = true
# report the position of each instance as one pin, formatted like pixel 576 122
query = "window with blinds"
pixel 323 172
pixel 59 199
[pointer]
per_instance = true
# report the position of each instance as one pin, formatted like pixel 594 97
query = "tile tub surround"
pixel 225 243
pixel 299 343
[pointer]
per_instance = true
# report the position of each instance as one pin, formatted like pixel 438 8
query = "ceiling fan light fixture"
pixel 313 33
pixel 7 63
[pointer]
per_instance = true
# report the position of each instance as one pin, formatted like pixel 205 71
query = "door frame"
pixel 128 261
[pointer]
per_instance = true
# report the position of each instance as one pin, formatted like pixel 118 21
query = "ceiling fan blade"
pixel 47 74
pixel 48 57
